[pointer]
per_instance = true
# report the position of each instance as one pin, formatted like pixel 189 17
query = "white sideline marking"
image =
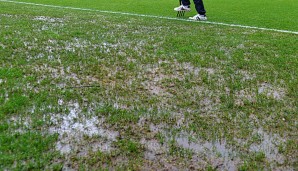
pixel 153 16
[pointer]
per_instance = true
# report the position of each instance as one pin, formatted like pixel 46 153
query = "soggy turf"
pixel 88 90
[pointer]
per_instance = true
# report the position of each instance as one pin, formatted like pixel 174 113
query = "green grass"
pixel 27 151
pixel 87 90
pixel 276 14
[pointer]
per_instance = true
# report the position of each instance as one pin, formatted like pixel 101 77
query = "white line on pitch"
pixel 153 16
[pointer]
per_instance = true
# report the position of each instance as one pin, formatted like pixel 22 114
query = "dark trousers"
pixel 198 4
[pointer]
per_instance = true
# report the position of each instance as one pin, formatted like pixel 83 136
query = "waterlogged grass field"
pixel 86 90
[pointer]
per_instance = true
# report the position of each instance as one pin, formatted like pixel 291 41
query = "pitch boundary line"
pixel 153 16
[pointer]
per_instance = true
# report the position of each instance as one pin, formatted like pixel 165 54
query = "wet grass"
pixel 86 90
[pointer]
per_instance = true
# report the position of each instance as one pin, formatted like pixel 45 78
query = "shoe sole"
pixel 182 10
pixel 178 10
pixel 197 19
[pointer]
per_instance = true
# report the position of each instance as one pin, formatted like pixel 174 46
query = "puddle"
pixel 117 105
pixel 73 128
pixel 271 91
pixel 190 68
pixel 48 19
pixel 142 121
pixel 269 146
pixel 7 15
pixel 2 46
pixel 65 73
pixel 157 128
pixel 246 75
pixel 60 102
pixel 245 95
pixel 153 147
pixel 156 90
pixel 63 148
pixel 210 71
pixel 48 23
pixel 208 104
pixel 217 153
pixel 77 44
pixel 24 123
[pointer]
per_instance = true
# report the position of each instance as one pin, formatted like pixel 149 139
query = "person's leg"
pixel 186 3
pixel 184 7
pixel 199 6
pixel 200 9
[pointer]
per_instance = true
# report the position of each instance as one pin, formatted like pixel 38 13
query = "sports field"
pixel 126 85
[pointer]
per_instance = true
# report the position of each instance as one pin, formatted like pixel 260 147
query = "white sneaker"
pixel 198 17
pixel 182 8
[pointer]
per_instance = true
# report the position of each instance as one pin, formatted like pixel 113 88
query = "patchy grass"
pixel 86 90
